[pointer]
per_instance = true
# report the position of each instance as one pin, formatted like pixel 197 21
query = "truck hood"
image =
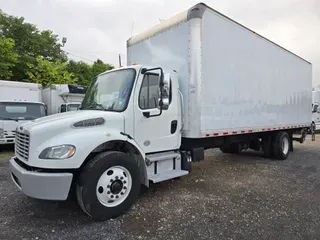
pixel 62 122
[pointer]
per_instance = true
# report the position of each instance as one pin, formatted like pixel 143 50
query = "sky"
pixel 100 28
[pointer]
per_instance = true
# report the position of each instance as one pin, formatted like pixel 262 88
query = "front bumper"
pixel 7 140
pixel 41 185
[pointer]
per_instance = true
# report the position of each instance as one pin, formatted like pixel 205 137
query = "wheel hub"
pixel 116 187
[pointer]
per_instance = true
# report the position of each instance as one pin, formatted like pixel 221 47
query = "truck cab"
pixel 316 107
pixel 67 107
pixel 13 113
pixel 130 114
pixel 19 102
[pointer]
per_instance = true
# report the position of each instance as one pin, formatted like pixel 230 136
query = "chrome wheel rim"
pixel 285 145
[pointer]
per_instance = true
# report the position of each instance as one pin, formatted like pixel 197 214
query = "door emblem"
pixel 146 143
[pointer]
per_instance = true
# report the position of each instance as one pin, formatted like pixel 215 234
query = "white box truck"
pixel 60 98
pixel 19 102
pixel 203 81
pixel 316 107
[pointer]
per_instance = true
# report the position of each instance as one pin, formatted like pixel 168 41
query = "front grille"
pixel 9 134
pixel 22 145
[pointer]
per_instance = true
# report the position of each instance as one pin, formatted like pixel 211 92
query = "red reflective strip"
pixel 250 131
pixel 269 129
pixel 207 134
pixel 262 129
pixel 216 134
pixel 274 128
pixel 234 132
pixel 225 133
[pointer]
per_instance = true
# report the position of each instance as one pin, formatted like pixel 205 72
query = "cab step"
pixel 160 177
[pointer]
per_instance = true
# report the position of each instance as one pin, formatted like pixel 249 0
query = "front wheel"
pixel 108 185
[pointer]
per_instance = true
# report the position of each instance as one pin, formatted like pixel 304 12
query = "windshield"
pixel 73 107
pixel 21 111
pixel 110 91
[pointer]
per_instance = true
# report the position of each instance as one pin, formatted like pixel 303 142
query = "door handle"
pixel 174 125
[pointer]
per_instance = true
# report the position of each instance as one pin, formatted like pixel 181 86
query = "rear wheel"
pixel 267 147
pixel 281 146
pixel 108 185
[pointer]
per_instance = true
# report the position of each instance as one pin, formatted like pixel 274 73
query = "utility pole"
pixel 120 60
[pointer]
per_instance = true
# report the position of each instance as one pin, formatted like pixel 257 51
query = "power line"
pixel 79 56
pixel 108 53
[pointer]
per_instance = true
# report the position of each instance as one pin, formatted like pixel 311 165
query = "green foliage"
pixel 100 67
pixel 84 73
pixel 46 72
pixel 8 57
pixel 28 54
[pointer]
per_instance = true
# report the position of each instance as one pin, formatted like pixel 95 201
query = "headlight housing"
pixel 58 152
pixel 1 133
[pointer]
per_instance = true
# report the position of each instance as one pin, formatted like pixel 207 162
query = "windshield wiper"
pixel 9 118
pixel 94 106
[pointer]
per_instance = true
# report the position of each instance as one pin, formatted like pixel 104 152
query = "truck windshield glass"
pixel 73 107
pixel 110 91
pixel 21 111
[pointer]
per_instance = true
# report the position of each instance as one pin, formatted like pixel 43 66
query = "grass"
pixel 6 155
pixel 6 152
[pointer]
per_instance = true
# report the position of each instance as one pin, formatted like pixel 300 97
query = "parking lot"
pixel 225 197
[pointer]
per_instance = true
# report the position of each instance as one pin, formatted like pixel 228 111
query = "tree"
pixel 8 57
pixel 47 72
pixel 100 67
pixel 29 43
pixel 82 72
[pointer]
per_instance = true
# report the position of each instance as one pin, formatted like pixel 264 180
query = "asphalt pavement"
pixel 226 196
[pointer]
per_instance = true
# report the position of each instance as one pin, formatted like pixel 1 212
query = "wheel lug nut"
pixel 111 180
pixel 108 186
pixel 124 187
pixel 108 192
pixel 117 196
pixel 122 193
pixel 117 177
pixel 112 196
pixel 121 178
pixel 124 182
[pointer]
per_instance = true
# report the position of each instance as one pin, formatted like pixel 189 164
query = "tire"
pixel 267 147
pixel 108 185
pixel 281 146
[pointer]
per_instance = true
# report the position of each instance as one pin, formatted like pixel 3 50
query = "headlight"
pixel 58 152
pixel 1 133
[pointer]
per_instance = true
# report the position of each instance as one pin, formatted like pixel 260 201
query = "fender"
pixel 85 140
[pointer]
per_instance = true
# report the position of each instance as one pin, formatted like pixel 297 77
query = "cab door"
pixel 155 130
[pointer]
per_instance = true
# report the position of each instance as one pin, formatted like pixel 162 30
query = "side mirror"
pixel 164 102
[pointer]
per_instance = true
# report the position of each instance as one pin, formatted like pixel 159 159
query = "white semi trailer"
pixel 203 81
pixel 19 102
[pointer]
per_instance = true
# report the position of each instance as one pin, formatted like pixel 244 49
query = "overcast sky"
pixel 100 28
